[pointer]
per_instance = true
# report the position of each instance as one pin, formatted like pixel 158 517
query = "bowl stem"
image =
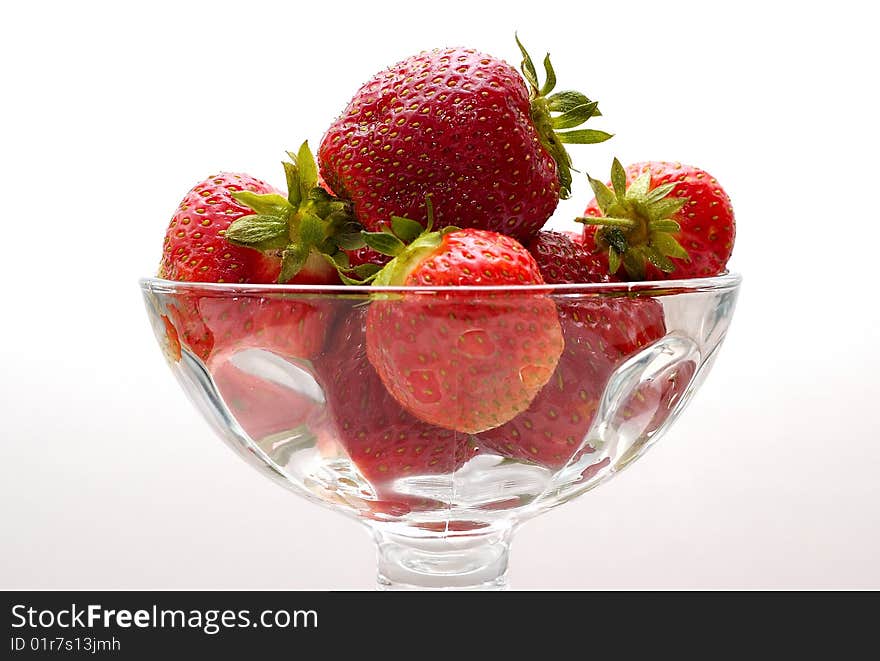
pixel 472 561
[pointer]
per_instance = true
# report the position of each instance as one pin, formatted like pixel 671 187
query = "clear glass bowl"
pixel 282 374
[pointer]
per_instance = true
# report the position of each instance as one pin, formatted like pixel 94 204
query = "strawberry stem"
pixel 606 221
pixel 639 227
pixel 406 241
pixel 550 113
pixel 309 220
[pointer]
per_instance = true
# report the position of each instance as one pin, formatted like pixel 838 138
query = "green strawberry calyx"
pixel 552 113
pixel 406 241
pixel 637 225
pixel 308 220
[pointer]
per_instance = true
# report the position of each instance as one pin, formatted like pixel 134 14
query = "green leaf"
pixel 613 260
pixel 349 227
pixel 634 263
pixel 665 208
pixel 366 270
pixel 574 117
pixel 660 192
pixel 603 194
pixel 387 244
pixel 308 169
pixel 337 222
pixel 566 101
pixel 429 212
pixel 350 240
pixel 338 259
pixel 662 262
pixel 267 204
pixel 664 225
pixel 636 207
pixel 319 195
pixel 618 179
pixel 405 229
pixel 349 281
pixel 563 168
pixel 292 260
pixel 257 231
pixel 312 230
pixel 291 173
pixel 550 80
pixel 667 245
pixel 528 67
pixel 639 188
pixel 584 137
pixel 354 281
pixel 359 275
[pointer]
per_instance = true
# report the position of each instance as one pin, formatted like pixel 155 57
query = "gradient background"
pixel 108 477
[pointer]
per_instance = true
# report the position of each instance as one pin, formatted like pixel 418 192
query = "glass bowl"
pixel 441 418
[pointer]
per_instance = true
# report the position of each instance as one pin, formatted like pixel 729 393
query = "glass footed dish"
pixel 345 394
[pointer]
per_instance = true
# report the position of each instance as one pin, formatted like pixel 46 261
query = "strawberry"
pixel 381 438
pixel 171 347
pixel 262 407
pixel 660 220
pixel 464 126
pixel 576 236
pixel 195 248
pixel 600 334
pixel 562 259
pixel 366 255
pixel 235 228
pixel 466 361
pixel 213 327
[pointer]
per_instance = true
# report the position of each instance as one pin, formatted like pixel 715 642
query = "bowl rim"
pixel 726 280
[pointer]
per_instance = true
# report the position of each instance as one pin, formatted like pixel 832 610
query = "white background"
pixel 109 479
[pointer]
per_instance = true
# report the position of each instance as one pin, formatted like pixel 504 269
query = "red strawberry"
pixel 600 334
pixel 465 127
pixel 381 438
pixel 564 260
pixel 262 407
pixel 661 221
pixel 576 236
pixel 235 228
pixel 171 348
pixel 366 255
pixel 195 248
pixel 466 361
pixel 213 327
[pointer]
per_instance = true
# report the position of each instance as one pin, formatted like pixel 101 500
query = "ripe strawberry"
pixel 381 438
pixel 235 228
pixel 464 126
pixel 562 259
pixel 171 347
pixel 262 407
pixel 600 334
pixel 213 327
pixel 576 236
pixel 195 248
pixel 366 255
pixel 661 221
pixel 467 361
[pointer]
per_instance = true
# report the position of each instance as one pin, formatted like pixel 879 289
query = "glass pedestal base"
pixel 460 562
